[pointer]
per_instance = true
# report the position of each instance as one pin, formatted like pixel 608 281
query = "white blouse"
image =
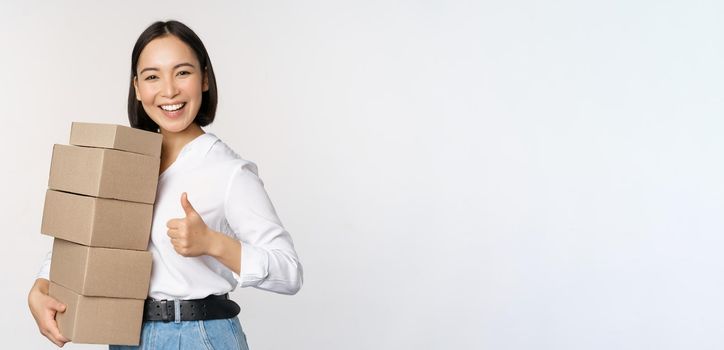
pixel 228 194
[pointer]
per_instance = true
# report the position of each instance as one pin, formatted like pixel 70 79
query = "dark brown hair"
pixel 136 114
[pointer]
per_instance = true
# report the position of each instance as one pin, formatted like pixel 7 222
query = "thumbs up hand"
pixel 189 235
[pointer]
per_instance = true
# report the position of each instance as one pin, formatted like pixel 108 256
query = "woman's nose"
pixel 170 89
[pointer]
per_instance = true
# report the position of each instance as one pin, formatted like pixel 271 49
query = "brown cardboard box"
pixel 97 222
pixel 102 272
pixel 116 137
pixel 98 320
pixel 104 173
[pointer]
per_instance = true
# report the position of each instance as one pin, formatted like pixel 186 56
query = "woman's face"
pixel 169 83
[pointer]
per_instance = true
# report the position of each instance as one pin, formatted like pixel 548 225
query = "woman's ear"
pixel 205 83
pixel 135 87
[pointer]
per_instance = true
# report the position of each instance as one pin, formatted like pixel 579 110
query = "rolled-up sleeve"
pixel 44 271
pixel 268 258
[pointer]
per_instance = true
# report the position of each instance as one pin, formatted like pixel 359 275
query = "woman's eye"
pixel 183 72
pixel 151 77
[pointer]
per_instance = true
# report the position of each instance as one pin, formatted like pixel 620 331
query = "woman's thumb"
pixel 57 306
pixel 188 208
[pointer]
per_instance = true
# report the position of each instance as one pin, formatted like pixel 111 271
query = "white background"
pixel 455 174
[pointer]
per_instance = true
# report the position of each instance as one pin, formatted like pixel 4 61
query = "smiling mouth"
pixel 172 108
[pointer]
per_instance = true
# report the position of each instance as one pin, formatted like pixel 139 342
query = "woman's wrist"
pixel 225 249
pixel 41 285
pixel 215 243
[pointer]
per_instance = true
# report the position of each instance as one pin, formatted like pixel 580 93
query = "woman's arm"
pixel 225 249
pixel 268 259
pixel 44 308
pixel 190 236
pixel 262 255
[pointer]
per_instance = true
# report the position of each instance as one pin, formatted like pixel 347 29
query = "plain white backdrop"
pixel 455 174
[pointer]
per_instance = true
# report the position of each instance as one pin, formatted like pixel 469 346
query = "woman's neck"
pixel 173 142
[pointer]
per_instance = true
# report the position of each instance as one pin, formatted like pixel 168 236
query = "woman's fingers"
pixel 50 326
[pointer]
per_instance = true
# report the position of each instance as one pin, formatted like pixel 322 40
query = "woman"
pixel 214 228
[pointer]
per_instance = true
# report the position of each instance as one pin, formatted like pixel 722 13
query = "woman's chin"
pixel 174 126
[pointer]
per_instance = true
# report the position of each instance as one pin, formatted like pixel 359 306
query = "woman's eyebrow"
pixel 184 64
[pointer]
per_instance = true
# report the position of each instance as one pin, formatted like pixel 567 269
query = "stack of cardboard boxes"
pixel 99 207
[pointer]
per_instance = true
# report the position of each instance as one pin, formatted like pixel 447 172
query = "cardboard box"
pixel 116 137
pixel 102 272
pixel 97 222
pixel 98 320
pixel 104 173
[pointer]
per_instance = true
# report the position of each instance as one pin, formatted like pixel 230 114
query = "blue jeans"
pixel 202 335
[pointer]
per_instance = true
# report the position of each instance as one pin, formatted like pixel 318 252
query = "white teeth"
pixel 172 108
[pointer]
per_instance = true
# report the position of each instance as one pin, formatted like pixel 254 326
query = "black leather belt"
pixel 213 307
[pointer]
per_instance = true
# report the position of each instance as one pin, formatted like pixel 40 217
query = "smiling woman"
pixel 167 91
pixel 165 87
pixel 230 237
pixel 170 66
